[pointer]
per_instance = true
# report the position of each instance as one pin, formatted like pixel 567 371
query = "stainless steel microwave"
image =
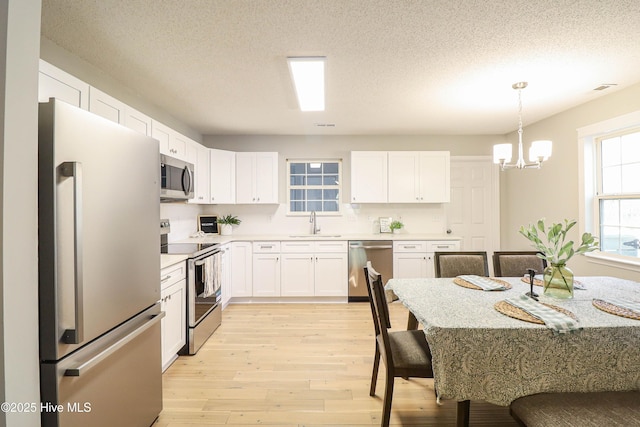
pixel 176 179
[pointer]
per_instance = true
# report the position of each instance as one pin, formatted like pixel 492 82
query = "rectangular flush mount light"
pixel 308 79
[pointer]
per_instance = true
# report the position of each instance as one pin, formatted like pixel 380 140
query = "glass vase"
pixel 558 281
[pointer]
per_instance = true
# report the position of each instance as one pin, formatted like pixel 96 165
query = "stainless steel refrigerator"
pixel 99 271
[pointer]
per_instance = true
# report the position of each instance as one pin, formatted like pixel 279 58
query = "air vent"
pixel 605 86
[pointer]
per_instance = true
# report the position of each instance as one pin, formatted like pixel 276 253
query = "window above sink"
pixel 313 186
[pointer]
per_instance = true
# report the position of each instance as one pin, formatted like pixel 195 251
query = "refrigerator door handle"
pixel 95 360
pixel 74 169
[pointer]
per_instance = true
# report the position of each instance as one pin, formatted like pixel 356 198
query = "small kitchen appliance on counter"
pixel 204 309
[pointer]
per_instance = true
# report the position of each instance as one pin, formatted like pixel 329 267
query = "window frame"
pixel 289 187
pixel 600 195
pixel 590 183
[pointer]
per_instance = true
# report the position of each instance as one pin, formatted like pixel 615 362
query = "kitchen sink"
pixel 314 236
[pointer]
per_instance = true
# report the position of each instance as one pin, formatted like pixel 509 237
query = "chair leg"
pixel 374 375
pixel 462 414
pixel 388 395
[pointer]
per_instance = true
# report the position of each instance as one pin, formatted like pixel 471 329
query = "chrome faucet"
pixel 313 220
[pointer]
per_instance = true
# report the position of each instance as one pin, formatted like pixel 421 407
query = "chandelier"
pixel 538 152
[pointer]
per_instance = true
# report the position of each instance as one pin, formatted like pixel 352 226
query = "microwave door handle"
pixel 186 176
pixel 74 170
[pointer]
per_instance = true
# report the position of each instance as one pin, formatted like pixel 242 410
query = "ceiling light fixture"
pixel 308 78
pixel 538 152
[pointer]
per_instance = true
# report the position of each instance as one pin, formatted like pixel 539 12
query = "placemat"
pixel 461 282
pixel 614 309
pixel 517 313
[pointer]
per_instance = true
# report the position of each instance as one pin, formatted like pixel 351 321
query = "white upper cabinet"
pixel 368 177
pixel 419 176
pixel 171 142
pixel 134 119
pixel 106 106
pixel 435 177
pixel 222 176
pixel 404 170
pixel 179 147
pixel 202 168
pixel 257 177
pixel 55 83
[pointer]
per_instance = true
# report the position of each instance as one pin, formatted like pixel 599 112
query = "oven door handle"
pixel 201 262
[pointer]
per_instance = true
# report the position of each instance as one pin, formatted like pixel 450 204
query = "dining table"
pixel 479 353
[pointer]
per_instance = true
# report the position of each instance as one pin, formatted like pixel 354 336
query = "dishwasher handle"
pixel 371 247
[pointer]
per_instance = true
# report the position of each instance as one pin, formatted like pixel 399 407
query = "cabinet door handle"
pixel 164 279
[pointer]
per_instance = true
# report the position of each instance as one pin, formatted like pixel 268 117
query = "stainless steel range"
pixel 204 308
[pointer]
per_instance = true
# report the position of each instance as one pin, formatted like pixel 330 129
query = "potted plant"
pixel 226 222
pixel 550 242
pixel 395 226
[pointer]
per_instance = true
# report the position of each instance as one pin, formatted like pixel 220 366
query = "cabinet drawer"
pixel 266 247
pixel 444 246
pixel 173 274
pixel 330 246
pixel 409 246
pixel 296 247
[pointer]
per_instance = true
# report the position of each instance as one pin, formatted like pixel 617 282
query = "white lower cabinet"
pixel 266 269
pixel 173 301
pixel 297 275
pixel 241 269
pixel 314 268
pixel 415 258
pixel 330 275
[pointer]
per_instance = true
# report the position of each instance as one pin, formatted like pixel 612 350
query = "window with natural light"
pixel 313 185
pixel 618 192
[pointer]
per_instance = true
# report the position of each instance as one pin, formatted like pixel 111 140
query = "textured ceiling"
pixel 393 67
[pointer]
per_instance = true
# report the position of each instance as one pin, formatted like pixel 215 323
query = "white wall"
pixel 552 192
pixel 19 43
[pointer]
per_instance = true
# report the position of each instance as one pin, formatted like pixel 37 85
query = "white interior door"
pixel 474 210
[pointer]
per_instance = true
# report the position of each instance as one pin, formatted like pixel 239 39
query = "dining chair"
pixel 405 353
pixel 516 263
pixel 452 264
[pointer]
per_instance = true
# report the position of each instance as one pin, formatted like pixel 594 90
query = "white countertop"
pixel 216 238
pixel 167 260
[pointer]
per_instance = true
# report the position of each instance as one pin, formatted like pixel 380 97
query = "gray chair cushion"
pixel 409 349
pixel 601 409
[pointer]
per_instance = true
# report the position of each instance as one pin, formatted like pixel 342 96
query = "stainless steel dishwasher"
pixel 380 253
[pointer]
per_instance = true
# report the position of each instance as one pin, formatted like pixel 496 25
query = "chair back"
pixel 371 275
pixel 516 263
pixel 452 264
pixel 380 311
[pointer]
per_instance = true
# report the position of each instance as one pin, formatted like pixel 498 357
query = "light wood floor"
pixel 298 365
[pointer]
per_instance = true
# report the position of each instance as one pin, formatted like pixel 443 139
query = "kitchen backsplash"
pixel 183 218
pixel 273 219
